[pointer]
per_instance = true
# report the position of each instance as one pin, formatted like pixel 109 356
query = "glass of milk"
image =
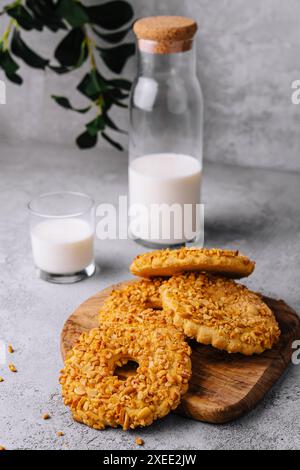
pixel 62 226
pixel 166 135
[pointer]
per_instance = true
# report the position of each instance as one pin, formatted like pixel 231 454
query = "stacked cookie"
pixel 183 293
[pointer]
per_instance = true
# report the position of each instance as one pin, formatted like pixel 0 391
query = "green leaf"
pixel 65 103
pixel 119 104
pixel 95 125
pixel 10 67
pixel 118 94
pixel 111 141
pixel 45 12
pixel 7 63
pixel 60 69
pixel 120 83
pixel 15 78
pixel 112 38
pixel 73 12
pixel 72 50
pixel 110 15
pixel 86 140
pixel 23 17
pixel 111 124
pixel 92 85
pixel 115 58
pixel 20 49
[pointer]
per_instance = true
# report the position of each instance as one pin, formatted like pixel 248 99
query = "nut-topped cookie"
pixel 169 262
pixel 99 398
pixel 138 302
pixel 218 311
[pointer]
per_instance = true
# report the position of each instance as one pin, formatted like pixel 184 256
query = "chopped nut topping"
pixel 218 311
pixel 60 433
pixel 137 303
pixel 12 367
pixel 139 441
pixel 10 349
pixel 169 262
pixel 99 398
pixel 46 416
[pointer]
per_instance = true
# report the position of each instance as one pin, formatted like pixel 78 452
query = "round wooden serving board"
pixel 223 386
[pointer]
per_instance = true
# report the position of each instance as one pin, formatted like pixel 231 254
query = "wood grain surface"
pixel 223 386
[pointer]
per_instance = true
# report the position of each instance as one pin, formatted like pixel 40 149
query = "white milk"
pixel 62 246
pixel 165 178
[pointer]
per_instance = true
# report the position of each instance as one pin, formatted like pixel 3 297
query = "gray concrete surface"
pixel 247 59
pixel 255 210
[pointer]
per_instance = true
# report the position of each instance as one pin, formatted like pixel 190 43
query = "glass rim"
pixel 64 216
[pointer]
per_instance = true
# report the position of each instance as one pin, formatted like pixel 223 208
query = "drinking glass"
pixel 62 226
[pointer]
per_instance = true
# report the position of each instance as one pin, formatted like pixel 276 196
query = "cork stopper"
pixel 165 34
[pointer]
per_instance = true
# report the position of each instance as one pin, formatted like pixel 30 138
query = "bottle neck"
pixel 176 63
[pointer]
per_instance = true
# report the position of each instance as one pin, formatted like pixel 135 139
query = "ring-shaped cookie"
pixel 138 302
pixel 98 398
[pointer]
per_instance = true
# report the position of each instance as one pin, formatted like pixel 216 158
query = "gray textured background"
pixel 247 59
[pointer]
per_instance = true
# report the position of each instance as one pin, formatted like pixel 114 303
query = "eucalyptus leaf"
pixel 121 83
pixel 65 103
pixel 118 94
pixel 7 63
pixel 111 141
pixel 10 67
pixel 23 17
pixel 86 140
pixel 112 38
pixel 111 15
pixel 15 78
pixel 115 58
pixel 20 49
pixel 96 125
pixel 111 124
pixel 73 12
pixel 45 12
pixel 92 85
pixel 119 104
pixel 60 69
pixel 69 51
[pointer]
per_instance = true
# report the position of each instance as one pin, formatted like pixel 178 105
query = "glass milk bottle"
pixel 166 134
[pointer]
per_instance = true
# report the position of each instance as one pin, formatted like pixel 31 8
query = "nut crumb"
pixel 1 379
pixel 2 448
pixel 60 433
pixel 10 349
pixel 12 367
pixel 46 416
pixel 139 441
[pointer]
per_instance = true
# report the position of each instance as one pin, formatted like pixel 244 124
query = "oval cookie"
pixel 169 262
pixel 220 312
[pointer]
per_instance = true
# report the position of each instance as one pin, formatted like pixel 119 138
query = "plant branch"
pixel 91 51
pixel 6 34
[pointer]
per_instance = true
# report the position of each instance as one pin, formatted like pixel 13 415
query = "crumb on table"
pixel 139 441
